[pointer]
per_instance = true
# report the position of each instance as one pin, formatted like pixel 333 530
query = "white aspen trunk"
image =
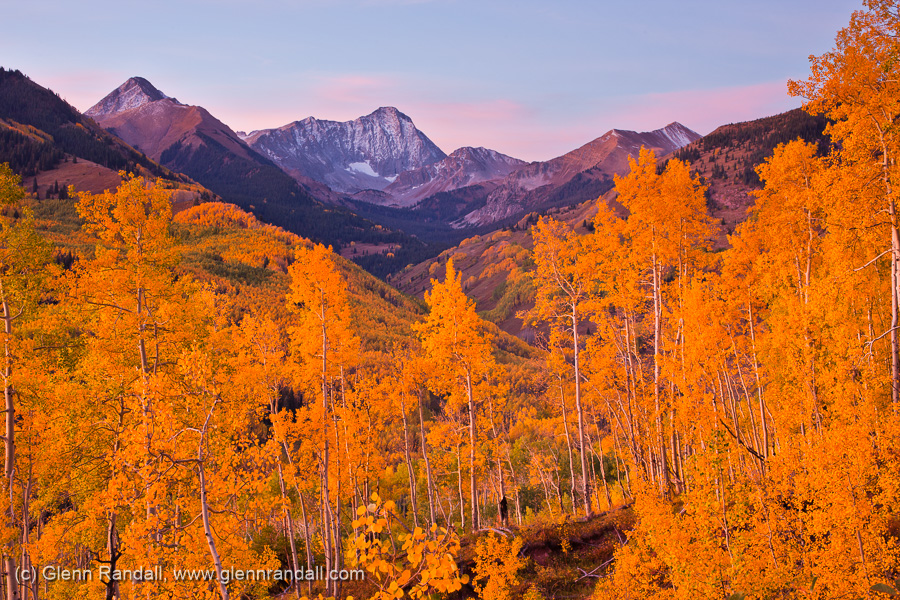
pixel 427 463
pixel 409 465
pixel 585 486
pixel 462 502
pixel 602 463
pixel 306 539
pixel 12 589
pixel 26 560
pixel 546 491
pixel 512 473
pixel 474 490
pixel 886 163
pixel 663 472
pixel 204 505
pixel 326 504
pixel 207 527
pixel 636 452
pixel 895 308
pixel 290 527
pixel 565 416
pixel 338 542
pixel 762 405
pixel 502 496
pixel 112 548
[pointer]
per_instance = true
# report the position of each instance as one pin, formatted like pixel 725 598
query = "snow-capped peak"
pixel 678 134
pixel 135 92
pixel 365 153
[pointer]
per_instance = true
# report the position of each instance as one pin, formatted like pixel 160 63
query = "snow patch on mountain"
pixel 350 156
pixel 362 167
pixel 464 167
pixel 678 134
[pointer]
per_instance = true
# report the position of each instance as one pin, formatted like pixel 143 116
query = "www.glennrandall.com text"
pixel 104 572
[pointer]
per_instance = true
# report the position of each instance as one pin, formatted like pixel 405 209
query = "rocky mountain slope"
pixel 149 120
pixel 52 146
pixel 583 174
pixel 190 140
pixel 464 167
pixel 726 159
pixel 366 153
pixel 39 130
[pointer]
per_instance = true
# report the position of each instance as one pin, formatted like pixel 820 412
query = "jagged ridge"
pixel 366 153
pixel 464 167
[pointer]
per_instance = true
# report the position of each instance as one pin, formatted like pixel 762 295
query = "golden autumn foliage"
pixel 784 422
pixel 208 393
pixel 424 565
pixel 497 563
pixel 457 347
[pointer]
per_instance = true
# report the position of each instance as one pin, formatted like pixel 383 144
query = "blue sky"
pixel 531 79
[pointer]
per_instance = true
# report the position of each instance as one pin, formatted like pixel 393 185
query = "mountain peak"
pixel 678 134
pixel 144 86
pixel 135 92
pixel 469 150
pixel 367 153
pixel 388 112
pixel 664 140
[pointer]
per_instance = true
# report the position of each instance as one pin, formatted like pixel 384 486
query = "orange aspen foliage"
pixel 424 566
pixel 566 279
pixel 23 277
pixel 326 346
pixel 456 345
pixel 497 563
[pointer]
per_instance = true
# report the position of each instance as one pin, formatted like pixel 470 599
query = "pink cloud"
pixel 79 88
pixel 530 134
pixel 705 109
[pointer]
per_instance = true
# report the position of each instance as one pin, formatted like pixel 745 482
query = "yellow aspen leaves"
pixel 497 563
pixel 426 565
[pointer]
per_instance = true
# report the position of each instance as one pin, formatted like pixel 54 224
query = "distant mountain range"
pixel 724 160
pixel 366 153
pixel 376 180
pixel 585 173
pixel 464 167
pixel 189 140
pixel 379 165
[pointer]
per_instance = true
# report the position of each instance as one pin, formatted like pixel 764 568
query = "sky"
pixel 532 79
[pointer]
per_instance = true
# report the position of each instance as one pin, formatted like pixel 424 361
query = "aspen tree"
pixel 128 292
pixel 565 280
pixel 857 85
pixel 323 337
pixel 455 342
pixel 23 256
pixel 666 231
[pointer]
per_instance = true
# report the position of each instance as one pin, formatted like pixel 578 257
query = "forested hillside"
pixel 38 129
